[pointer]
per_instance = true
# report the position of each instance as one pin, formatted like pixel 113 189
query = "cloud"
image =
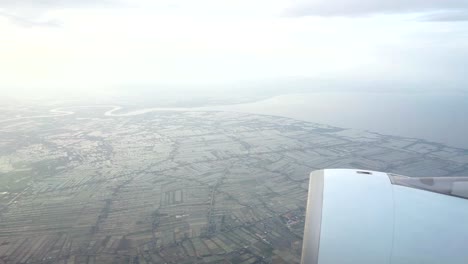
pixel 447 9
pixel 25 22
pixel 30 13
pixel 54 4
pixel 452 16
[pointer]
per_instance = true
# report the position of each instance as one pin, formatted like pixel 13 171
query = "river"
pixel 441 118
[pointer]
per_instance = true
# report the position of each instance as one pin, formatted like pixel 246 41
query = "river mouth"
pixel 433 117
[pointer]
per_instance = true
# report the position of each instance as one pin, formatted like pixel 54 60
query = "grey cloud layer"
pixel 28 13
pixel 447 16
pixel 25 22
pixel 445 9
pixel 52 4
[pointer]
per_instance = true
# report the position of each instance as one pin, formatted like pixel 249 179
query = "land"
pixel 178 187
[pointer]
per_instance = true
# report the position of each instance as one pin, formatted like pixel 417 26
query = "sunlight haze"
pixel 106 45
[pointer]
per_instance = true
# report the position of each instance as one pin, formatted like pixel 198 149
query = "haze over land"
pixel 138 131
pixel 184 53
pixel 120 47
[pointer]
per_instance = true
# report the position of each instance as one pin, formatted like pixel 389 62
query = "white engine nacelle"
pixel 370 217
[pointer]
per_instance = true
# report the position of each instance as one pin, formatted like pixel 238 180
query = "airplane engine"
pixel 370 217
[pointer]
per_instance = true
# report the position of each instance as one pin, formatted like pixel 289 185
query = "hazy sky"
pixel 82 45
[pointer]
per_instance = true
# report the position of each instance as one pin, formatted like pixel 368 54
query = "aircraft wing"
pixel 370 217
